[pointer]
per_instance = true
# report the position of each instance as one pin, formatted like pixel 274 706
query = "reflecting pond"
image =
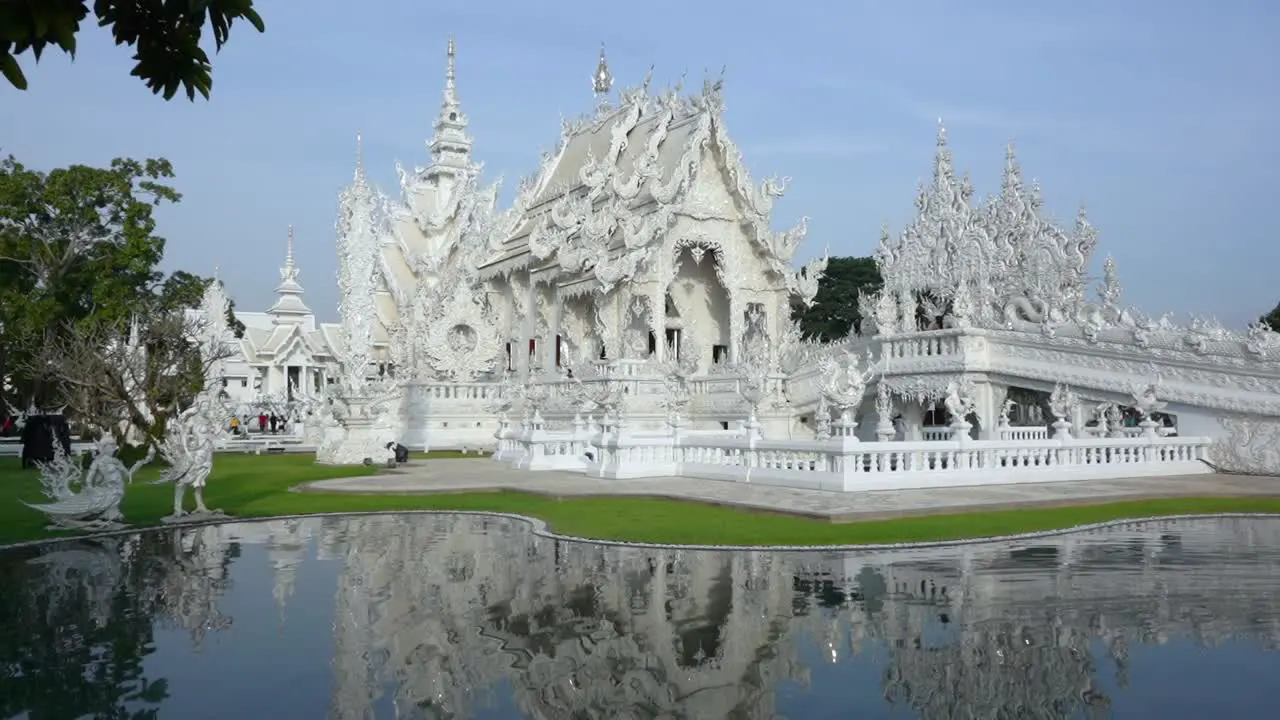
pixel 406 616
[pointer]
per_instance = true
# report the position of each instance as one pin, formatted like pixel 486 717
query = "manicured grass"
pixel 248 486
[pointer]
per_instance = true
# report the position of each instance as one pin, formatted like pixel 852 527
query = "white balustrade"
pixel 844 464
pixel 935 432
pixel 931 344
pixel 1037 432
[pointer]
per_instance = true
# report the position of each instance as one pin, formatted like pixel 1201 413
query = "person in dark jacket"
pixel 402 452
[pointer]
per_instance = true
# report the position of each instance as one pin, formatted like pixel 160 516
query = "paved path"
pixel 465 475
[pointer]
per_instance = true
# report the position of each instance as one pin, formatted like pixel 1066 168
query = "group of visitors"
pixel 266 423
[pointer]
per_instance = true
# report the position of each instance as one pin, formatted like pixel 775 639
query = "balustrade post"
pixel 960 434
pixel 1062 433
pixel 846 453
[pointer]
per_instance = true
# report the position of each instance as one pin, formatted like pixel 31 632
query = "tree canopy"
pixel 1272 319
pixel 165 36
pixel 78 269
pixel 834 313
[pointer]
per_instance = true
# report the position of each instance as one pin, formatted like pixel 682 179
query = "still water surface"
pixel 406 616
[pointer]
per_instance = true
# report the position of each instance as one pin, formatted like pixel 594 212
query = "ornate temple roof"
pixel 619 179
pixel 1007 242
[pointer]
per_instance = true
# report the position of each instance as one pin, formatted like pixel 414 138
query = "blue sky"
pixel 1157 115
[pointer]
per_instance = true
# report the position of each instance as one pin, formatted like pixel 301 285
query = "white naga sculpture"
pixel 91 502
pixel 189 442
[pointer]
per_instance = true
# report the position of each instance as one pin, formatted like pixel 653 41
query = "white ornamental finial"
pixel 602 80
pixel 289 273
pixel 359 155
pixel 450 89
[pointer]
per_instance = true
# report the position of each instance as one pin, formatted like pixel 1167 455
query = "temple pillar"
pixel 737 320
pixel 528 325
pixel 657 322
pixel 553 350
pixel 992 397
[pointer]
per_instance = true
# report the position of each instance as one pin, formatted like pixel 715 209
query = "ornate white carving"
pixel 844 384
pixel 461 339
pixel 959 401
pixel 1251 446
pixel 189 442
pixel 1146 400
pixel 360 230
pixel 92 501
pixel 1063 402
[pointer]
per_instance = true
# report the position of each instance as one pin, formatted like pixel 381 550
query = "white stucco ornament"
pixel 189 443
pixel 86 499
pixel 462 339
pixel 959 402
pixel 845 383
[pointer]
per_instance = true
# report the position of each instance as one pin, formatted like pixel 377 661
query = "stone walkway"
pixel 465 475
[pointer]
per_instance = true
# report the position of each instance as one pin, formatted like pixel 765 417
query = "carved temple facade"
pixel 633 307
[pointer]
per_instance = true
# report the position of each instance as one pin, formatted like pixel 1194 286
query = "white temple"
pixel 284 354
pixel 630 315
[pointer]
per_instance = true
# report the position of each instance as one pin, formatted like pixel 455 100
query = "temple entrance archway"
pixel 698 306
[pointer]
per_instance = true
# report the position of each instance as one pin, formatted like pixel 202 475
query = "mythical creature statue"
pixel 1063 403
pixel 1005 409
pixel 188 447
pixel 96 504
pixel 959 402
pixel 844 383
pixel 1146 400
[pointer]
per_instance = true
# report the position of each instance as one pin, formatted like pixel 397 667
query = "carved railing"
pixel 478 391
pixel 845 464
pixel 929 344
pixel 1037 432
pixel 933 433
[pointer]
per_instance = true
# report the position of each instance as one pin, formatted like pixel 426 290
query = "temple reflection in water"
pixel 445 616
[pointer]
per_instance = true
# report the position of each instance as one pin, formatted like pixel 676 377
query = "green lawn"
pixel 249 486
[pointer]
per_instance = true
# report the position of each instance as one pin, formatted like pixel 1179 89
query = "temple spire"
pixel 450 146
pixel 289 307
pixel 602 80
pixel 943 171
pixel 359 157
pixel 1011 184
pixel 450 76
pixel 288 254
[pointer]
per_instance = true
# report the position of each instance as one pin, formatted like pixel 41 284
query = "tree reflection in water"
pixel 439 616
pixel 80 617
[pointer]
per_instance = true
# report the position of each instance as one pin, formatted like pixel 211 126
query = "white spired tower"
pixel 450 146
pixel 289 308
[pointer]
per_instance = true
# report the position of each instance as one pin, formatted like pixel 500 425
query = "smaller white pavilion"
pixel 284 351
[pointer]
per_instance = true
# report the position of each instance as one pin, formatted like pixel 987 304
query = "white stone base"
pixel 360 440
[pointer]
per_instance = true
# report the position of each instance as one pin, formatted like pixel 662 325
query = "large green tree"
pixel 78 272
pixel 1272 319
pixel 165 36
pixel 834 312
